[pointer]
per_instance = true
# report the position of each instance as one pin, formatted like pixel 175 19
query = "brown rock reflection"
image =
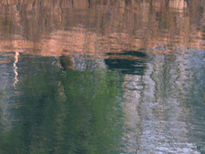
pixel 66 27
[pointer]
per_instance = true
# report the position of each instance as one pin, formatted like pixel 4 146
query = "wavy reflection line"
pixel 16 68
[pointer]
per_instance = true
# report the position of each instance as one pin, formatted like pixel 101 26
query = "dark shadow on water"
pixel 127 65
pixel 130 53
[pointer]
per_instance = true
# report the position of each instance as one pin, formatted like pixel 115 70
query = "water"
pixel 102 76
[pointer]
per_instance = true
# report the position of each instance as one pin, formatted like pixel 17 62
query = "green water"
pixel 56 111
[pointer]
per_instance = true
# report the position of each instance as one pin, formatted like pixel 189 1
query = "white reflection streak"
pixel 16 69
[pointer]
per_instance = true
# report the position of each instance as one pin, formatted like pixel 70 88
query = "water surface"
pixel 105 76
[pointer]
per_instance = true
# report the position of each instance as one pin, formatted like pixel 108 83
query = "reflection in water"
pixel 67 27
pixel 125 64
pixel 15 68
pixel 59 111
pixel 102 76
pixel 165 125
